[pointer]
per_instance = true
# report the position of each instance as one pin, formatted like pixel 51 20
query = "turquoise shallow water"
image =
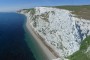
pixel 34 46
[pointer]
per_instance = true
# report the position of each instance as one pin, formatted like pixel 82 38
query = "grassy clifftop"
pixel 84 52
pixel 82 11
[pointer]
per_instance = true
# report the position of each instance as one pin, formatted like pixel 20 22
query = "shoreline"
pixel 46 49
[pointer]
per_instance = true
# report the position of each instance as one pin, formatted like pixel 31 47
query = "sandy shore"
pixel 45 49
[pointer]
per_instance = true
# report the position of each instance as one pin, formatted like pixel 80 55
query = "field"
pixel 82 11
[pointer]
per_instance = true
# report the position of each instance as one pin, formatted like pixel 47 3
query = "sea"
pixel 12 37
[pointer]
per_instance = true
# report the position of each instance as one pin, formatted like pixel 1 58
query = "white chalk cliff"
pixel 59 28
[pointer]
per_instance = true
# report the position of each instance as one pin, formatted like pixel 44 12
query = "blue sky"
pixel 13 5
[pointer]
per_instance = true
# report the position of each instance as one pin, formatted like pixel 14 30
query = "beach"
pixel 48 53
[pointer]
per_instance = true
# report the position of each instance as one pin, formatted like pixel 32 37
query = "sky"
pixel 14 5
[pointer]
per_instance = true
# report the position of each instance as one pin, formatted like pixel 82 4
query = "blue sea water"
pixel 12 38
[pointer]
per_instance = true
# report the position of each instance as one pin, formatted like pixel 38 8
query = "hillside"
pixel 64 29
pixel 82 11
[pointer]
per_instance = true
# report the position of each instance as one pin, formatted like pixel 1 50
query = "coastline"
pixel 43 22
pixel 46 50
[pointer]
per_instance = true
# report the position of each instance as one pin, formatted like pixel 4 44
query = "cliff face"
pixel 59 28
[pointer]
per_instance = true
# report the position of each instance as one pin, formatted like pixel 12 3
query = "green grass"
pixel 81 11
pixel 74 8
pixel 81 55
pixel 85 43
